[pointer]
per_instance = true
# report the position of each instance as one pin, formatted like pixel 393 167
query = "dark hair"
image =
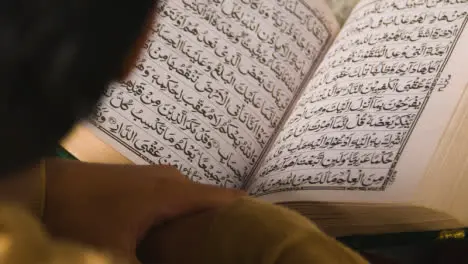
pixel 56 57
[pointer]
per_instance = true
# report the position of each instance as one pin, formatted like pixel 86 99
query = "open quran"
pixel 361 127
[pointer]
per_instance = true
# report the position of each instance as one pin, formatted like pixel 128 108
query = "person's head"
pixel 56 57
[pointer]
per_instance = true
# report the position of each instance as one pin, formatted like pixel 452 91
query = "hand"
pixel 112 207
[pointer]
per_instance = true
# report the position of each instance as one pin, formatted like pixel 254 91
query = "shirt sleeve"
pixel 251 231
pixel 23 241
pixel 26 188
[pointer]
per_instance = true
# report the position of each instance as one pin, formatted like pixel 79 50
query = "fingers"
pixel 191 197
pixel 208 197
pixel 175 195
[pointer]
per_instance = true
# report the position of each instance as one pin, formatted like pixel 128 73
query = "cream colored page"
pixel 212 84
pixel 369 121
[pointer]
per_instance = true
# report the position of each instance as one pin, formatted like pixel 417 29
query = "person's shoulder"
pixel 251 209
pixel 252 229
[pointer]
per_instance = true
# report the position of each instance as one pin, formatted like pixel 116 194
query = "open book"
pixel 364 129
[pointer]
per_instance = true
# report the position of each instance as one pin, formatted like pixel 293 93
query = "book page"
pixel 212 84
pixel 371 117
